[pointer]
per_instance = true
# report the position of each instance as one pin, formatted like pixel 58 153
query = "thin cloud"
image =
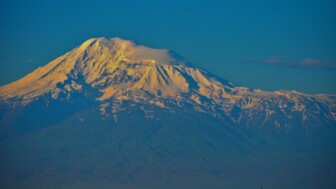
pixel 304 63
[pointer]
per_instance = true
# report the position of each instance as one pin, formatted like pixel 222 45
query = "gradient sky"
pixel 278 44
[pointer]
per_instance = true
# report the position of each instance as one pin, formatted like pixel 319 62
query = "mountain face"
pixel 127 112
pixel 111 72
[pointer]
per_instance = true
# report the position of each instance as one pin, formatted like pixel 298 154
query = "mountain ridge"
pixel 120 70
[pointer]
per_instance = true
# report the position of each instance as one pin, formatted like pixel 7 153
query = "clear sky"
pixel 266 44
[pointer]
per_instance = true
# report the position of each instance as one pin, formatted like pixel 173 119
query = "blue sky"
pixel 278 44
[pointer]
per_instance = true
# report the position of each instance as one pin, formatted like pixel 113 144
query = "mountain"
pixel 115 113
pixel 108 72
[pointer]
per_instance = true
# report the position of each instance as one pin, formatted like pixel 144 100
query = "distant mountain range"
pixel 114 113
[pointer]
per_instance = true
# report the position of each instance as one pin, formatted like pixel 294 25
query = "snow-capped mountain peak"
pixel 115 65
